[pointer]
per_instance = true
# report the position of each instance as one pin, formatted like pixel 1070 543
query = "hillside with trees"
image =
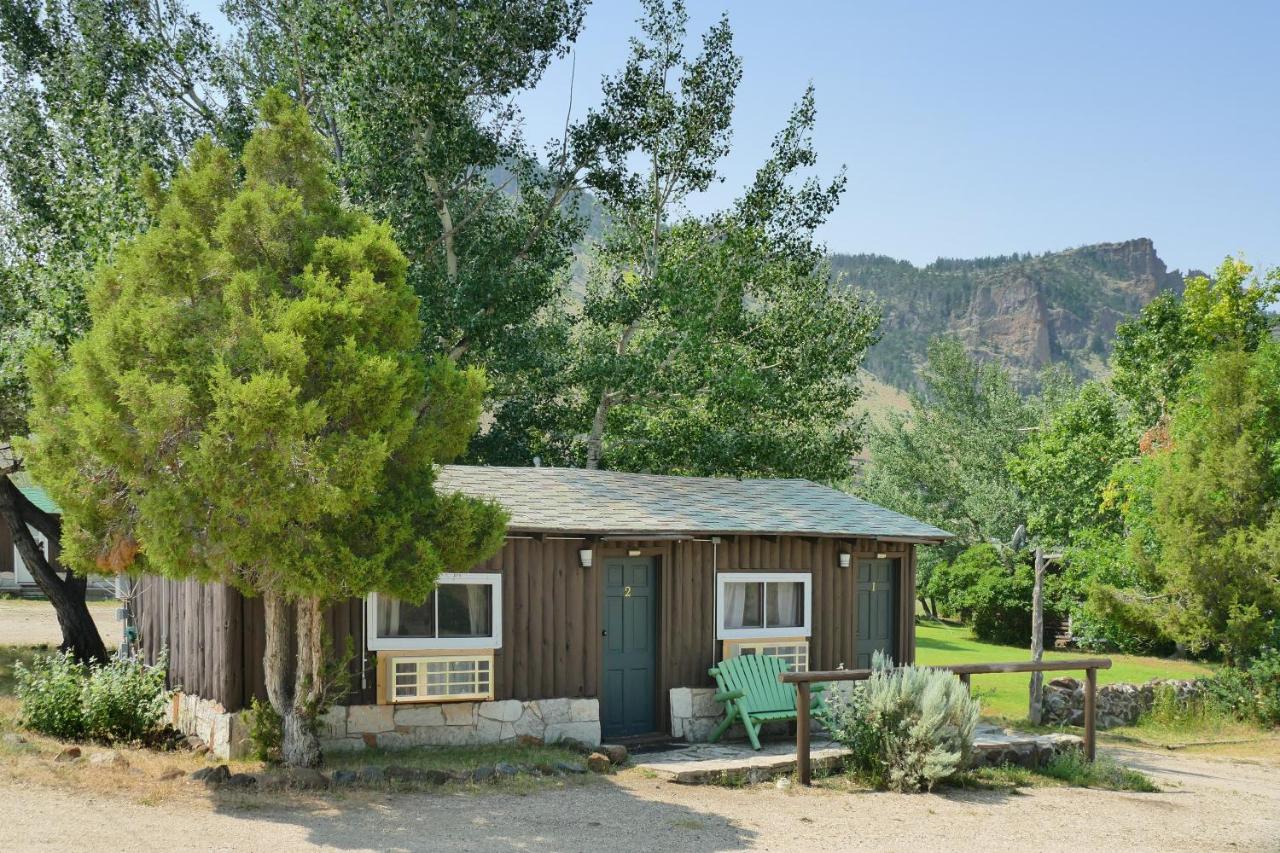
pixel 1026 312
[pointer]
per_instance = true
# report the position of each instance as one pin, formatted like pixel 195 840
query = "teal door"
pixel 630 647
pixel 877 585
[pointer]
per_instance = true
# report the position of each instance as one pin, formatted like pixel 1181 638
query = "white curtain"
pixel 388 616
pixel 478 609
pixel 785 597
pixel 735 605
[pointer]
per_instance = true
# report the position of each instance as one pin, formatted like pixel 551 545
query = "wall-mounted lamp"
pixel 634 552
pixel 882 556
pixel 584 557
pixel 845 558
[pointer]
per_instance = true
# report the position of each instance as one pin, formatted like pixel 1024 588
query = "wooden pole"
pixel 802 732
pixel 1037 640
pixel 964 679
pixel 1090 711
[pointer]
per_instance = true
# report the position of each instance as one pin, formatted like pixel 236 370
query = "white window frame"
pixel 397 644
pixel 805 630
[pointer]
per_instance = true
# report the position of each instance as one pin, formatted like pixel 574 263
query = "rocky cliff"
pixel 1026 311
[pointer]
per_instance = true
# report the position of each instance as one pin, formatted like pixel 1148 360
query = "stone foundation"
pixel 1118 704
pixel 222 731
pixel 355 727
pixel 694 713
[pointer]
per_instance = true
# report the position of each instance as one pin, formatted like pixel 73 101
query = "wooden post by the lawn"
pixel 964 679
pixel 1037 639
pixel 1090 711
pixel 802 731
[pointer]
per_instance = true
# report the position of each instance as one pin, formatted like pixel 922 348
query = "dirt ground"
pixel 33 623
pixel 1206 804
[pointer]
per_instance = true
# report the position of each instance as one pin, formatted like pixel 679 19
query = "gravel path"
pixel 1207 805
pixel 33 623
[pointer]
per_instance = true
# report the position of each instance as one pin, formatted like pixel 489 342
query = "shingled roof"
pixel 545 500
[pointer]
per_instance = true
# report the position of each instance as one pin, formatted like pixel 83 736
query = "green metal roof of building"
pixel 34 493
pixel 544 500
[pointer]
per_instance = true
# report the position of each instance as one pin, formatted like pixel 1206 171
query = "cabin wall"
pixel 552 617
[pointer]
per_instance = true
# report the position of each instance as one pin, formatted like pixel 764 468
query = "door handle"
pixel 604 633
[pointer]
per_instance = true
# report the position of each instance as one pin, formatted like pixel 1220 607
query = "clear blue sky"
pixel 984 128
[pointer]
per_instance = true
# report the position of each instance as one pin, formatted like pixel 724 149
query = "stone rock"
pixel 419 715
pixel 459 713
pixel 111 758
pixel 396 773
pixel 584 710
pixel 682 702
pixel 617 753
pixel 783 784
pixel 505 711
pixel 370 719
pixel 344 777
pixel 241 780
pixel 554 710
pixel 482 774
pixel 69 753
pixel 332 725
pixel 372 775
pixel 211 776
pixel 171 773
pixel 528 740
pixel 575 767
pixel 502 768
pixel 598 762
pixel 300 778
pixel 582 733
pixel 705 704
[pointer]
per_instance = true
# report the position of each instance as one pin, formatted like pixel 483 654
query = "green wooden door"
pixel 877 583
pixel 627 705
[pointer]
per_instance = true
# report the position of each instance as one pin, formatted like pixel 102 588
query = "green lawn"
pixel 1006 695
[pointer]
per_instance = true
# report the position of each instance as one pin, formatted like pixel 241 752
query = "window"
pixel 756 605
pixel 795 652
pixel 414 679
pixel 464 611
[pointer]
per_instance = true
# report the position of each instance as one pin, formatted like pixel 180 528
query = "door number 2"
pixel 626 592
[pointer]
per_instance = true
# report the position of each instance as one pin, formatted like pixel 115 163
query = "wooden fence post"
pixel 1090 712
pixel 802 732
pixel 964 679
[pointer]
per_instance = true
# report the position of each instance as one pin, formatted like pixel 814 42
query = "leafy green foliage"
pixel 266 730
pixel 1249 693
pixel 124 700
pixel 990 588
pixel 1103 772
pixel 90 92
pixel 1065 465
pixel 116 702
pixel 1155 352
pixel 907 728
pixel 49 692
pixel 249 406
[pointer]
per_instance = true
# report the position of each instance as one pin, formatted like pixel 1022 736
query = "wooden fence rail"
pixel 965 671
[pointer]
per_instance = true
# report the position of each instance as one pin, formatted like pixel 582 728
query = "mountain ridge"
pixel 1026 311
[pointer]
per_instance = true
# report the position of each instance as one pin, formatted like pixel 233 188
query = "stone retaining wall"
pixel 1118 704
pixel 222 731
pixel 355 727
pixel 694 713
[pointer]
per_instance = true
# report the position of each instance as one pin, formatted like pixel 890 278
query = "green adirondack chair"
pixel 752 694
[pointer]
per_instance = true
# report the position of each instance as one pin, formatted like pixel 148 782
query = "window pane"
pixel 466 609
pixel 742 605
pixel 402 619
pixel 786 604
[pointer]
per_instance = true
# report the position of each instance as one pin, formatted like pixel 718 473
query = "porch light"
pixel 845 558
pixel 584 557
pixel 882 556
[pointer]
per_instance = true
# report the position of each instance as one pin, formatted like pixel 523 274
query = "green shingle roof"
pixel 34 493
pixel 544 500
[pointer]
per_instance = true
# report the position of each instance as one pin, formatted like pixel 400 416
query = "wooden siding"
pixel 552 616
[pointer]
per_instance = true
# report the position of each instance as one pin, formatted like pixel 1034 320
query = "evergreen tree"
pixel 249 407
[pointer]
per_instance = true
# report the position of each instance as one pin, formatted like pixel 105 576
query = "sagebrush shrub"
pixel 266 730
pixel 124 700
pixel 116 701
pixel 907 728
pixel 49 692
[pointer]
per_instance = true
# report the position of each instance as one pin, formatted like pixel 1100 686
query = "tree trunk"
pixel 79 633
pixel 1037 639
pixel 294 667
pixel 595 440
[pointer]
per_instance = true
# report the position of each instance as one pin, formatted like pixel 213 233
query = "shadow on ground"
pixel 600 814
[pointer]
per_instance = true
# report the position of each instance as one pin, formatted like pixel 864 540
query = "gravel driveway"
pixel 1208 805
